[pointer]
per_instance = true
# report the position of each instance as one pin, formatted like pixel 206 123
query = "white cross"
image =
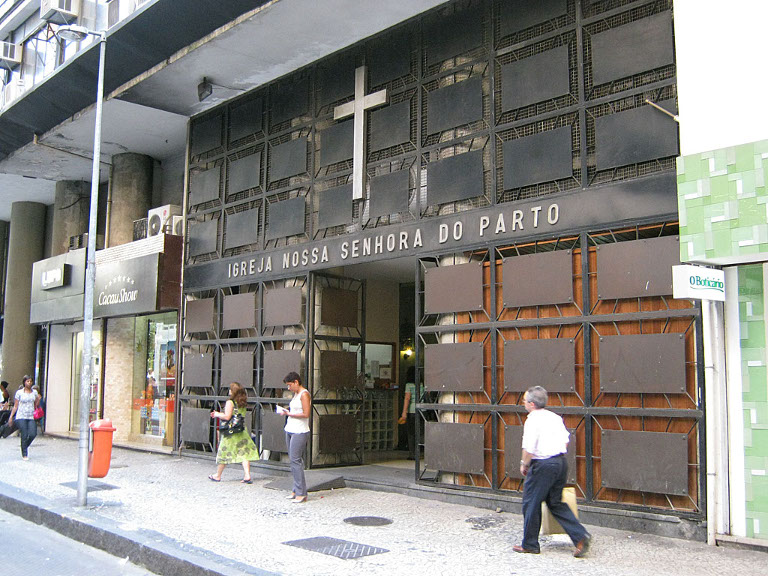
pixel 357 107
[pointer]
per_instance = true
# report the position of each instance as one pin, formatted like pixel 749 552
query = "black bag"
pixel 7 429
pixel 233 425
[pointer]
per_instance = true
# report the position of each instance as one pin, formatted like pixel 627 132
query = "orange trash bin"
pixel 101 454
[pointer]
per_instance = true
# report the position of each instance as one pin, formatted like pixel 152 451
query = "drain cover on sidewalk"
pixel 335 547
pixel 92 485
pixel 368 521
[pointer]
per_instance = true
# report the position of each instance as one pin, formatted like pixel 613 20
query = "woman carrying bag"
pixel 235 444
pixel 23 414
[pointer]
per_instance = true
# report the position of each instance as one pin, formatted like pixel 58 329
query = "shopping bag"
pixel 548 523
pixel 7 429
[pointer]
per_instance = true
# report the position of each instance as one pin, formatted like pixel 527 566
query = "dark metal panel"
pixel 389 194
pixel 244 173
pixel 206 135
pixel 538 279
pixel 645 461
pixel 242 228
pixel 335 206
pixel 455 178
pixel 237 367
pixel 246 119
pixel 456 288
pixel 289 100
pixel 338 369
pixel 513 454
pixel 272 431
pixel 390 126
pixel 286 218
pixel 195 425
pixel 277 363
pixel 454 105
pixel 288 159
pixel 534 79
pixel 283 306
pixel 389 57
pixel 513 451
pixel 453 34
pixel 336 78
pixel 454 367
pixel 454 447
pixel 547 362
pixel 197 370
pixel 239 311
pixel 202 237
pixel 632 48
pixel 542 157
pixel 204 186
pixel 339 307
pixel 634 136
pixel 643 363
pixel 637 268
pixel 338 433
pixel 518 15
pixel 337 143
pixel 199 316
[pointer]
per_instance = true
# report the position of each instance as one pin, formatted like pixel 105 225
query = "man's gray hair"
pixel 537 395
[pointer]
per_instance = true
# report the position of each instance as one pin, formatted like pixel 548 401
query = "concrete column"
pixel 70 213
pixel 131 195
pixel 25 246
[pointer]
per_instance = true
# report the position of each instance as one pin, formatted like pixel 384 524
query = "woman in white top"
pixel 297 433
pixel 25 402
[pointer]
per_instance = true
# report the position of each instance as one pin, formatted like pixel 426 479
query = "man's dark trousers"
pixel 544 483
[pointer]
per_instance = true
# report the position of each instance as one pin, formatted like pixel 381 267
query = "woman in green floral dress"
pixel 237 447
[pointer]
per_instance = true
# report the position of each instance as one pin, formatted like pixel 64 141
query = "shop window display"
pixel 154 390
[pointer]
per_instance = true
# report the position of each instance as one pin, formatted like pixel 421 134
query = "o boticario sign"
pixel 699 283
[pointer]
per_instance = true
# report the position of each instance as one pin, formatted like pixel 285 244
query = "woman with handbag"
pixel 24 405
pixel 297 433
pixel 235 444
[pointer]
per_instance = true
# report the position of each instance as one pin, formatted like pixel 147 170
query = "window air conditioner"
pixel 177 228
pixel 59 11
pixel 10 54
pixel 160 220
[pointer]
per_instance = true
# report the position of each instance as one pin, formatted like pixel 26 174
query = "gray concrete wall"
pixel 26 242
pixel 131 195
pixel 70 213
pixel 170 188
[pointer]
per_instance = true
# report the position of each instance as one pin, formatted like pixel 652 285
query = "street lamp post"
pixel 71 32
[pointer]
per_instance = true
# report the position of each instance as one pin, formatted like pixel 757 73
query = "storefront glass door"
pixel 77 367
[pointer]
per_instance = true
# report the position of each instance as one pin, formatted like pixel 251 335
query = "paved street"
pixel 32 549
pixel 169 502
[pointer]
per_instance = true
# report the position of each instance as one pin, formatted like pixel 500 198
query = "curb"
pixel 146 548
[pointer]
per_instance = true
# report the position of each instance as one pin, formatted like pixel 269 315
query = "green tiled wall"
pixel 755 398
pixel 722 198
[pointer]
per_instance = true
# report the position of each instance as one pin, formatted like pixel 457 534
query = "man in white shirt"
pixel 545 441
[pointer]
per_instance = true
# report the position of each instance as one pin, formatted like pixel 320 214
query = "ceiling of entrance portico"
pixel 148 114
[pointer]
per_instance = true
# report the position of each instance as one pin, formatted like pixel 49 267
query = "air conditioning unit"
pixel 59 11
pixel 160 220
pixel 10 54
pixel 177 226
